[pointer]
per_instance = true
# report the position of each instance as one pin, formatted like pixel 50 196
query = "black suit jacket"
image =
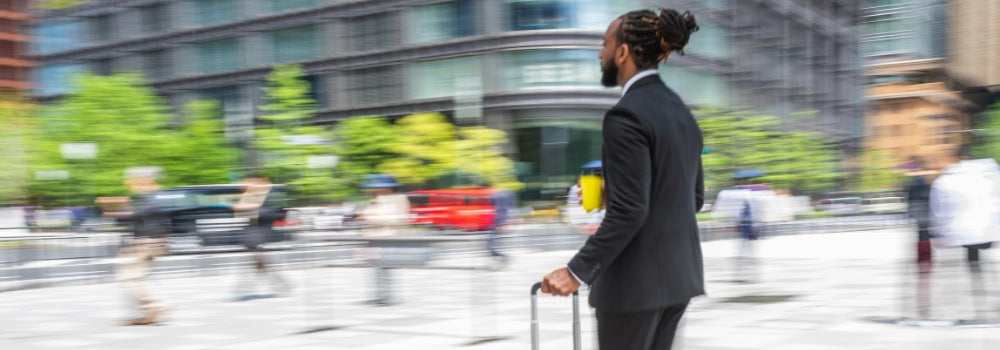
pixel 646 253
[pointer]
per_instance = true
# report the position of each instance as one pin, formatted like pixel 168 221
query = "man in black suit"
pixel 644 262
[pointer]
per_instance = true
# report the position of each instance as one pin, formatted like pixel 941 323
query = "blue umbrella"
pixel 594 164
pixel 747 174
pixel 379 181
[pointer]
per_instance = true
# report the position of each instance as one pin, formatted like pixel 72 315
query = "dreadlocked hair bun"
pixel 675 29
pixel 652 37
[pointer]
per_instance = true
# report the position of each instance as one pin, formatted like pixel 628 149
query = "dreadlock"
pixel 651 37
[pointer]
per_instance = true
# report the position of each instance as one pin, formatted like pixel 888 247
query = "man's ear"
pixel 621 54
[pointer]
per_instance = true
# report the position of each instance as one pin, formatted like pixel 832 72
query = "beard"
pixel 609 74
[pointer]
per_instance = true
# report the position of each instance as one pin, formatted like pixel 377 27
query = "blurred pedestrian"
pixel 260 228
pixel 965 205
pixel 744 206
pixel 965 212
pixel 150 228
pixel 918 194
pixel 503 201
pixel 388 212
pixel 644 263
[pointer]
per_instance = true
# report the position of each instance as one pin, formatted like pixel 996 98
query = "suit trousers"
pixel 642 330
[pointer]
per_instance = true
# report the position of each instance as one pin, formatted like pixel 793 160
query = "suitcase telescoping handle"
pixel 534 317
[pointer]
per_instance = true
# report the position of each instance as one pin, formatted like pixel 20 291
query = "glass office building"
pixel 532 64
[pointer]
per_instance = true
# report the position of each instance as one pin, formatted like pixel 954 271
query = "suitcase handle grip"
pixel 534 317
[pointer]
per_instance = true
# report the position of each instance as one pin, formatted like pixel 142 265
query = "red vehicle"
pixel 469 209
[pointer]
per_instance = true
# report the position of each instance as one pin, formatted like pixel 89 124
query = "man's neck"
pixel 636 77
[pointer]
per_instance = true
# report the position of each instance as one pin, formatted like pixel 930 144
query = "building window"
pixel 317 90
pixel 104 66
pixel 157 65
pixel 556 14
pixel 434 79
pixel 532 15
pixel 444 21
pixel 374 86
pixel 211 12
pixel 286 5
pixel 374 32
pixel 58 36
pixel 57 79
pixel 100 29
pixel 549 154
pixel 696 87
pixel 295 44
pixel 219 55
pixel 236 112
pixel 530 69
pixel 155 18
pixel 711 41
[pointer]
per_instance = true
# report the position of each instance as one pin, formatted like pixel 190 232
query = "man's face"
pixel 609 69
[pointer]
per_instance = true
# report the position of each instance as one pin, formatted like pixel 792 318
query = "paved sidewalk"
pixel 812 292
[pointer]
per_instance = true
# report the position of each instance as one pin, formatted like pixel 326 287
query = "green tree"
pixel 988 143
pixel 204 137
pixel 131 126
pixel 479 154
pixel 286 141
pixel 18 120
pixel 799 161
pixel 876 172
pixel 363 144
pixel 58 4
pixel 421 149
pixel 425 149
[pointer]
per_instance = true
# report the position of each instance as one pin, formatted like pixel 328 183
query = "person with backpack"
pixel 260 229
pixel 744 206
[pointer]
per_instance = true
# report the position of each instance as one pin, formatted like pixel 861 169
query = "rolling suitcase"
pixel 534 317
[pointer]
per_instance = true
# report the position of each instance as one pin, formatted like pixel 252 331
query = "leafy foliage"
pixel 989 135
pixel 17 118
pixel 876 173
pixel 130 126
pixel 59 4
pixel 800 161
pixel 286 141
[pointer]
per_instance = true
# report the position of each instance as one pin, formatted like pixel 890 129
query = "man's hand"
pixel 560 282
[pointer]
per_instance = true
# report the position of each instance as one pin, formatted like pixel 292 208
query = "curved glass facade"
pixel 443 21
pixel 437 78
pixel 560 14
pixel 548 69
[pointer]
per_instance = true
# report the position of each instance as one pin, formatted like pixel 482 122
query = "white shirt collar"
pixel 636 78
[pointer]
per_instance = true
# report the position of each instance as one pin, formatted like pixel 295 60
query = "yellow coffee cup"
pixel 590 189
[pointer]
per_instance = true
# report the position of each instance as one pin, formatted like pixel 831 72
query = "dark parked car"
pixel 204 214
